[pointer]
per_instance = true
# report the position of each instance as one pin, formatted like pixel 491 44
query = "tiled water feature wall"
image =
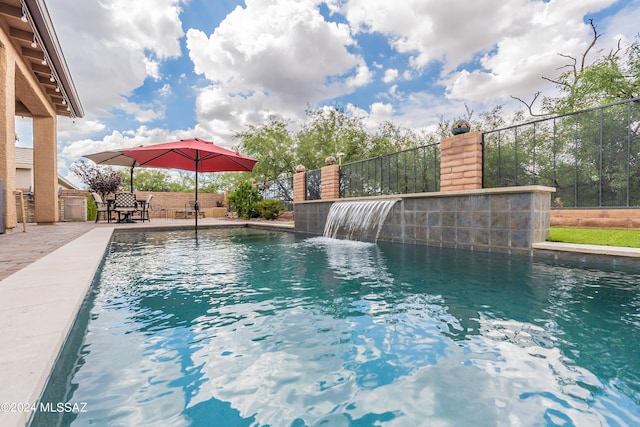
pixel 498 220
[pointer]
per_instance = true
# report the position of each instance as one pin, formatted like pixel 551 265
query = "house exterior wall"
pixel 7 128
pixel 18 83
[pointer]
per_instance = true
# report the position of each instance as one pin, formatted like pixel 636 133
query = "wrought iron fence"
pixel 281 189
pixel 313 185
pixel 416 170
pixel 591 156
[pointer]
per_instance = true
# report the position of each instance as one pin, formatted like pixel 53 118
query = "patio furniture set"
pixel 194 155
pixel 125 205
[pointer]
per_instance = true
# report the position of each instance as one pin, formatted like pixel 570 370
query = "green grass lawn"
pixel 595 236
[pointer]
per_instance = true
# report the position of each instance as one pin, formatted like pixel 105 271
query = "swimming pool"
pixel 254 328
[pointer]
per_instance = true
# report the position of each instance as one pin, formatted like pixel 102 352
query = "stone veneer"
pixel 507 220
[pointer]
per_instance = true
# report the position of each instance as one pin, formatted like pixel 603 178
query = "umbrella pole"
pixel 131 181
pixel 196 206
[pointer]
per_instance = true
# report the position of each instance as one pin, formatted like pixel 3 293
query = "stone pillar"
pixel 45 169
pixel 299 187
pixel 8 134
pixel 330 176
pixel 461 162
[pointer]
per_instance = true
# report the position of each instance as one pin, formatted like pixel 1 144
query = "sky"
pixel 152 71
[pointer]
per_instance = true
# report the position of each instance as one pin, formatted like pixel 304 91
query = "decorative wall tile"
pixel 503 222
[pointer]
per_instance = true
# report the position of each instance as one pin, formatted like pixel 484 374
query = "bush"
pixel 244 200
pixel 92 210
pixel 269 209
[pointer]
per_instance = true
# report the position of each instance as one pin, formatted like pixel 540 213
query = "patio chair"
pixel 125 204
pixel 190 209
pixel 102 207
pixel 145 206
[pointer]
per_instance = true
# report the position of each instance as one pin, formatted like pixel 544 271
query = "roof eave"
pixel 42 21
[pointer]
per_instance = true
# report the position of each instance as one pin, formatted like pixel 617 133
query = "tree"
pixel 609 78
pixel 328 131
pixel 147 180
pixel 182 182
pixel 101 179
pixel 221 182
pixel 273 146
pixel 390 138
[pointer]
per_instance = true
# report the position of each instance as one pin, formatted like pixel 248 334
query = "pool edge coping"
pixel 613 251
pixel 39 306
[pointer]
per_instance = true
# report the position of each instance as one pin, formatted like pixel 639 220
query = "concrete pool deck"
pixel 44 276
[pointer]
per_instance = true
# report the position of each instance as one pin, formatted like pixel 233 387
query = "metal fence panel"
pixel 411 171
pixel 633 136
pixel 590 156
pixel 314 184
pixel 280 189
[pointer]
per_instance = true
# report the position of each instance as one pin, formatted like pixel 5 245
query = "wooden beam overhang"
pixel 31 31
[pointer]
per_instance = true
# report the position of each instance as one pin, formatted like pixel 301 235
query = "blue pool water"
pixel 256 328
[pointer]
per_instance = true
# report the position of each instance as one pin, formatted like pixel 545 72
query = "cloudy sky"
pixel 150 71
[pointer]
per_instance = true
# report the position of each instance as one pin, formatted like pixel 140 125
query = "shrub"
pixel 244 199
pixel 92 210
pixel 269 209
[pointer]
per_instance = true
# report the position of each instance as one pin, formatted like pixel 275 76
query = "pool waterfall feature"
pixel 508 220
pixel 357 220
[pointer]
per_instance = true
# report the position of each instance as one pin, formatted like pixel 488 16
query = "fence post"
pixel 330 176
pixel 461 162
pixel 299 187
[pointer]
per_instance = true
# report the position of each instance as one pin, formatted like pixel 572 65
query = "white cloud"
pixel 116 140
pixel 272 55
pixel 515 42
pixel 379 113
pixel 142 113
pixel 390 75
pixel 79 128
pixel 623 26
pixel 112 46
pixel 221 114
pixel 152 68
pixel 165 90
pixel 362 77
pixel 434 30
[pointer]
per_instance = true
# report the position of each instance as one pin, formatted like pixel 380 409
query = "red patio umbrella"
pixel 194 155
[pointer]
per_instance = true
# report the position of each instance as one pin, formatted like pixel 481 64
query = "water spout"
pixel 351 220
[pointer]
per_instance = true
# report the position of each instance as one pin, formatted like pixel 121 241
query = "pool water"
pixel 255 328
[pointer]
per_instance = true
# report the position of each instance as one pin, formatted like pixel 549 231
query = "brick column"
pixel 461 162
pixel 299 187
pixel 330 176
